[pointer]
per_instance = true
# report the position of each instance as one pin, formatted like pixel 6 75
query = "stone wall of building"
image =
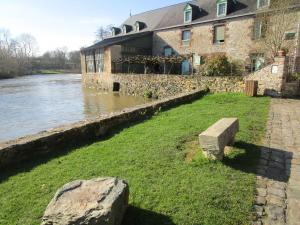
pixel 72 136
pixel 238 39
pixel 271 80
pixel 239 42
pixel 162 85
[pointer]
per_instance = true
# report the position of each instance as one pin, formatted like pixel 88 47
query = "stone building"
pixel 199 27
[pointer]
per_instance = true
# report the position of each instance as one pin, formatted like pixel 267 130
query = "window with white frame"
pixel 90 62
pixel 262 3
pixel 197 60
pixel 137 26
pixel 257 62
pixel 222 8
pixel 188 13
pixel 115 31
pixel 99 61
pixel 289 35
pixel 186 37
pixel 219 34
pixel 126 29
pixel 259 29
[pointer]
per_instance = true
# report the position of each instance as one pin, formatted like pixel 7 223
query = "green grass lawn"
pixel 164 187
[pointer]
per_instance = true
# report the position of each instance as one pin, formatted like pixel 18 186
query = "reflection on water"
pixel 35 103
pixel 96 103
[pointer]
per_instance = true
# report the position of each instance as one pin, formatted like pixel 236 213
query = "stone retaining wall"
pixel 67 137
pixel 163 85
pixel 271 79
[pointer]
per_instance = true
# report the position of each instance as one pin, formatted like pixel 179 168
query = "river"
pixel 36 103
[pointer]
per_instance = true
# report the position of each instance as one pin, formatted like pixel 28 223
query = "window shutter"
pixel 257 29
pixel 220 33
pixel 186 35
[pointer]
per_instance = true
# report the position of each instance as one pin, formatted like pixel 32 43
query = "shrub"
pixel 148 94
pixel 219 65
pixel 295 76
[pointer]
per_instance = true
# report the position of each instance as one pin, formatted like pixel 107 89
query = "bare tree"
pixel 16 54
pixel 277 20
pixel 103 32
pixel 26 48
pixel 74 57
pixel 27 45
pixel 8 62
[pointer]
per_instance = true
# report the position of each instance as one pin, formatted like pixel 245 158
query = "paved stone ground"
pixel 278 179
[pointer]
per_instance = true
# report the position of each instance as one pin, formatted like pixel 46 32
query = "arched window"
pixel 126 28
pixel 139 26
pixel 115 31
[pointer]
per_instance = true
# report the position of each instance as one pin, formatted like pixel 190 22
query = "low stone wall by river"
pixel 163 85
pixel 68 137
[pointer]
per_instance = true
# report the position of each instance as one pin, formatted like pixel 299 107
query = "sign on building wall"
pixel 197 60
pixel 274 69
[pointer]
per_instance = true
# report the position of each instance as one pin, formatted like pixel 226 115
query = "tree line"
pixel 18 56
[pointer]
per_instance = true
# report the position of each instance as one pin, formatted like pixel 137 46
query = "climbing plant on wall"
pixel 149 61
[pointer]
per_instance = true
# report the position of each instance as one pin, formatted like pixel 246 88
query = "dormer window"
pixel 115 31
pixel 262 4
pixel 139 26
pixel 188 14
pixel 126 28
pixel 221 8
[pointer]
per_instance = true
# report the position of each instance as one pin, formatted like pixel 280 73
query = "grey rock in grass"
pixel 101 201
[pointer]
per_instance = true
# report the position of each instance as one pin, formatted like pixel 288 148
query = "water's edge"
pixel 31 104
pixel 77 134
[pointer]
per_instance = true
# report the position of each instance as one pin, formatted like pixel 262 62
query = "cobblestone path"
pixel 278 179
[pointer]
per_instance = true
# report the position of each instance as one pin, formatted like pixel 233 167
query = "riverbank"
pixel 49 72
pixel 42 72
pixel 165 188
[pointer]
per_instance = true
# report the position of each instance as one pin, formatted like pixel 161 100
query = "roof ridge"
pixel 163 7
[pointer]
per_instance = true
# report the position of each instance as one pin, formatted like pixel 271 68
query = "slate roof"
pixel 118 40
pixel 172 16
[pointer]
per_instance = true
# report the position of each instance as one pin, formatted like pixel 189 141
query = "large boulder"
pixel 101 201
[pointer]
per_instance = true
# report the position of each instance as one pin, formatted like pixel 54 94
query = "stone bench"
pixel 216 137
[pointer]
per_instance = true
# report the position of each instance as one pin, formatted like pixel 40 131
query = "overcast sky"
pixel 68 23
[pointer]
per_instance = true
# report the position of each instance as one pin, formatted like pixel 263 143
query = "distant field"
pixel 166 186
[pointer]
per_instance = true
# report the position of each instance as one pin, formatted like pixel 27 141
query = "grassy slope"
pixel 164 188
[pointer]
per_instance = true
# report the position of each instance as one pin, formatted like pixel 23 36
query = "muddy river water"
pixel 32 104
